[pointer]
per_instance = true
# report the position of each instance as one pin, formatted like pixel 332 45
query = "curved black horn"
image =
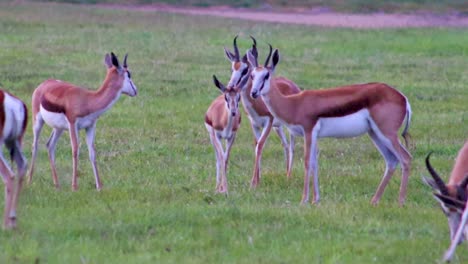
pixel 236 49
pixel 269 56
pixel 440 183
pixel 125 61
pixel 254 40
pixel 254 49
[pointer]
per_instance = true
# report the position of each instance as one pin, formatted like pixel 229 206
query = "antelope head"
pixel 231 95
pixel 452 198
pixel 261 75
pixel 239 66
pixel 128 87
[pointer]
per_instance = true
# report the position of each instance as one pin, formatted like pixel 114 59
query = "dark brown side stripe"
pixel 51 107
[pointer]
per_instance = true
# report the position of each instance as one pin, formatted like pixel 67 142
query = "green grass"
pixel 157 165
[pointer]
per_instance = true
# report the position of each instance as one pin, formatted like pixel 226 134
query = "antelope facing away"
pixel 452 198
pixel 347 111
pixel 13 122
pixel 64 106
pixel 261 120
pixel 222 119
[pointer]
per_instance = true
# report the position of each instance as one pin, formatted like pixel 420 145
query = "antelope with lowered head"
pixel 13 122
pixel 452 198
pixel 347 111
pixel 222 120
pixel 261 120
pixel 64 106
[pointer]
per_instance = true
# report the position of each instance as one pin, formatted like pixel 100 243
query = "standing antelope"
pixel 222 119
pixel 64 106
pixel 452 198
pixel 347 111
pixel 261 120
pixel 13 121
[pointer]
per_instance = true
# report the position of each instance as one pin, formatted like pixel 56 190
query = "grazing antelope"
pixel 222 119
pixel 261 120
pixel 13 122
pixel 452 198
pixel 347 111
pixel 64 106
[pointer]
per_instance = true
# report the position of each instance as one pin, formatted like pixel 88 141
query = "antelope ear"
pixel 108 61
pixel 450 202
pixel 251 59
pixel 218 84
pixel 430 182
pixel 231 57
pixel 275 59
pixel 115 61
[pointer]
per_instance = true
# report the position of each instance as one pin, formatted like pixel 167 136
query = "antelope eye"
pixel 244 72
pixel 129 74
pixel 225 98
pixel 267 76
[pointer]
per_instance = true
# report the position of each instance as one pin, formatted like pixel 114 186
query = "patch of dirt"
pixel 316 17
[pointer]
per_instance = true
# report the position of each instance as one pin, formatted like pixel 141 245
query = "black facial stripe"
pixel 261 87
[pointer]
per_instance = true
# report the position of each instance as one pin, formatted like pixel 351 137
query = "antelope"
pixel 261 120
pixel 65 106
pixel 452 198
pixel 222 120
pixel 347 111
pixel 13 122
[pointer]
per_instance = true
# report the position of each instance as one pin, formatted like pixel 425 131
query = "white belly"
pixel 55 120
pixel 346 126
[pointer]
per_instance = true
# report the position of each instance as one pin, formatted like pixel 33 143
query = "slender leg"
pixel 314 166
pixel 51 144
pixel 226 155
pixel 258 153
pixel 20 160
pixel 8 180
pixel 453 245
pixel 405 171
pixel 90 134
pixel 292 144
pixel 307 149
pixel 220 163
pixel 36 133
pixel 75 151
pixel 391 162
pixel 219 156
pixel 284 143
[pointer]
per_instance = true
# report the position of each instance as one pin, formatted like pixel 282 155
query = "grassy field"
pixel 158 203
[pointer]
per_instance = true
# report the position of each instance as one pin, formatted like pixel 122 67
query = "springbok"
pixel 347 111
pixel 261 120
pixel 452 198
pixel 13 122
pixel 64 106
pixel 222 119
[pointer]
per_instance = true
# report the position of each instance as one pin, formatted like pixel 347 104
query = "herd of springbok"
pixel 269 101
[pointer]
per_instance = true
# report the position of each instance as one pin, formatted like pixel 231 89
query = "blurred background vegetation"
pixel 354 6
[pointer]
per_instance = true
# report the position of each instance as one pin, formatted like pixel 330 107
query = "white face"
pixel 238 70
pixel 129 87
pixel 231 98
pixel 260 81
pixel 454 219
